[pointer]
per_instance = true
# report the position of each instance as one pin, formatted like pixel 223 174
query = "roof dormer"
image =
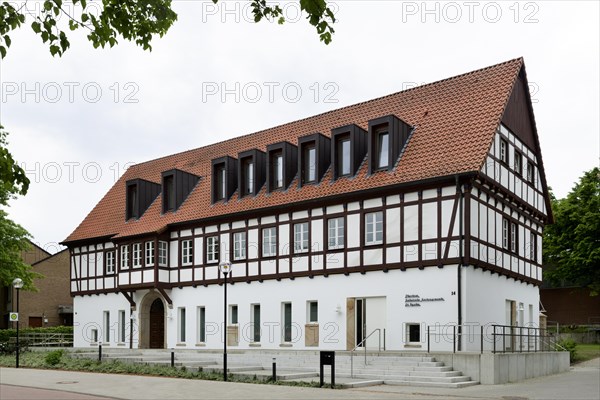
pixel 251 172
pixel 177 185
pixel 314 158
pixel 387 137
pixel 348 149
pixel 139 194
pixel 282 159
pixel 224 180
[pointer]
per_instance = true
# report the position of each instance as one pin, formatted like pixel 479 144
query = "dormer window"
pixel 309 166
pixel 132 201
pixel 220 182
pixel 282 159
pixel 139 195
pixel 277 170
pixel 251 173
pixel 383 149
pixel 224 181
pixel 348 150
pixel 387 138
pixel 177 185
pixel 169 194
pixel 314 158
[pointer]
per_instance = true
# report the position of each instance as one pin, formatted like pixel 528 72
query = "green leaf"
pixel 36 27
pixel 2 51
pixel 7 40
pixel 54 49
pixel 48 5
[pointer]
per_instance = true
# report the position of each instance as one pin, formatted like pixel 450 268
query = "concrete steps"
pixel 385 368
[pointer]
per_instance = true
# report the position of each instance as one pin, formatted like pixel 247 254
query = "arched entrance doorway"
pixel 157 324
pixel 152 321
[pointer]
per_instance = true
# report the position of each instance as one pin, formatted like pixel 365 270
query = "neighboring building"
pixel 420 208
pixel 52 304
pixel 570 306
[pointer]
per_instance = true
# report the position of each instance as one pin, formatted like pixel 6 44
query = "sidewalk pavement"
pixel 582 382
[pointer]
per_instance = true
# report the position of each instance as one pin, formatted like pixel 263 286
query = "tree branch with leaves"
pixel 137 21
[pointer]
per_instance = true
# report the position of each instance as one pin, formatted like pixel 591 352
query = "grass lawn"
pixel 586 352
pixel 62 360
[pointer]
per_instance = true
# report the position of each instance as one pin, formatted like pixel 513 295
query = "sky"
pixel 77 122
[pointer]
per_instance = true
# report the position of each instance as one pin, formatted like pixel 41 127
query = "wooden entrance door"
pixel 157 325
pixel 35 322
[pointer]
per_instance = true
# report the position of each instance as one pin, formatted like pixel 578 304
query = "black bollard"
pixel 100 352
pixel 274 369
pixel 172 358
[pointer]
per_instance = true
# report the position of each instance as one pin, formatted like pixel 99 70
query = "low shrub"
pixel 570 346
pixel 54 357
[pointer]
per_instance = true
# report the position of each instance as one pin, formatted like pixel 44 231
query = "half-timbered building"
pixel 418 209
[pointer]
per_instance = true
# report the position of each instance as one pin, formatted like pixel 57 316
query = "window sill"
pixel 374 243
pixel 412 346
pixel 181 344
pixel 286 344
pixel 202 344
pixel 254 344
pixel 121 344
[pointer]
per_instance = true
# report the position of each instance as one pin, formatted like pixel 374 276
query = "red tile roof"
pixel 455 122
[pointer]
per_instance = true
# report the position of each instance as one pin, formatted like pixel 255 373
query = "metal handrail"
pixel 365 347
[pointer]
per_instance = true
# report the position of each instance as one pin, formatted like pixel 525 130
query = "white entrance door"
pixel 370 316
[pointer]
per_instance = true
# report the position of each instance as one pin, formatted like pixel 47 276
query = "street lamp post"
pixel 17 284
pixel 225 268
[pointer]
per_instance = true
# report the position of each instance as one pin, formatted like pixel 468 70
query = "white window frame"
pixel 301 234
pixel 383 157
pixel 505 234
pixel 236 320
pixel 407 326
pixel 532 246
pixel 255 323
pixel 334 239
pixel 239 245
pixel 149 252
pixel 504 147
pixel 212 249
pixel 124 259
pixel 187 251
pixel 374 227
pixel 136 255
pixel 163 253
pixel 269 242
pixel 283 325
pixel 110 262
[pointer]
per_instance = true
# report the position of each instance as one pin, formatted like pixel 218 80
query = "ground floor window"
pixel 201 324
pixel 107 327
pixel 287 322
pixel 181 330
pixel 121 326
pixel 413 333
pixel 255 323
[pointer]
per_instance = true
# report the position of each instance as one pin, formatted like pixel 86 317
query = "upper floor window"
pixel 518 163
pixel 374 228
pixel 109 262
pixel 149 253
pixel 277 171
pixel 163 253
pixel 509 235
pixel 383 150
pixel 348 149
pixel 269 242
pixel 239 245
pixel 301 237
pixel 532 246
pixel 530 172
pixel 504 151
pixel 169 193
pixel 212 249
pixel 315 153
pixel 251 172
pixel 132 201
pixel 224 181
pixel 335 227
pixel 187 252
pixel 137 255
pixel 124 256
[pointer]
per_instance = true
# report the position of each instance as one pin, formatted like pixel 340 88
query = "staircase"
pixel 408 369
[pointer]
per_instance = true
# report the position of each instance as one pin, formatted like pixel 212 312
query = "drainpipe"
pixel 460 252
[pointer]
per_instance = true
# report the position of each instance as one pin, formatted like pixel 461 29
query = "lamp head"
pixel 17 283
pixel 225 267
